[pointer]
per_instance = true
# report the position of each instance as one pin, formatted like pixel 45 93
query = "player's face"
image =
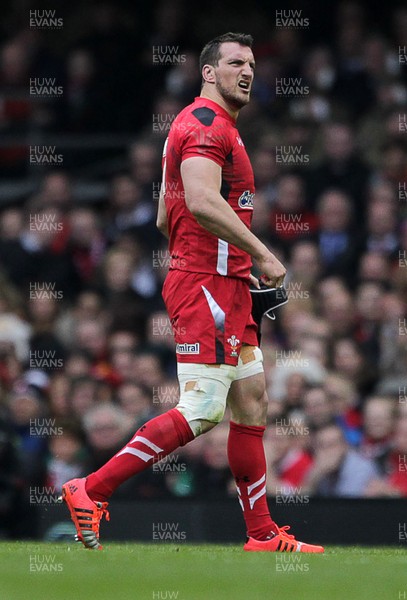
pixel 234 74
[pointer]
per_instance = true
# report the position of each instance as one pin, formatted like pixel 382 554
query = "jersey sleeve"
pixel 208 141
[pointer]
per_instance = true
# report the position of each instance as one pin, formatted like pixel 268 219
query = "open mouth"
pixel 244 85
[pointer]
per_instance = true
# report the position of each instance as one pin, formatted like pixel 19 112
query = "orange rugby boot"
pixel 281 542
pixel 85 513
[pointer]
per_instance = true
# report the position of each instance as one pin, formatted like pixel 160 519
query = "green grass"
pixel 209 572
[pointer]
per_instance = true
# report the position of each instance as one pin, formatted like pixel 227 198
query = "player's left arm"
pixel 162 221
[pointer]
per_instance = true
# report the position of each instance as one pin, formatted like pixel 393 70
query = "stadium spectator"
pixel 136 401
pixel 87 243
pixel 381 235
pixel 144 165
pixel 58 393
pixel 394 483
pixel 344 400
pixel 66 456
pixel 378 427
pixel 105 426
pixel 212 476
pixel 126 309
pixel 338 244
pixel 27 413
pixel 290 217
pixel 12 497
pixel 122 345
pixel 287 460
pixel 374 266
pixel 318 411
pixel 56 189
pixel 266 171
pixel 305 267
pixel 148 368
pixel 82 395
pixel 128 212
pixel 369 305
pixel 77 110
pixel 337 470
pixel 349 360
pixel 341 168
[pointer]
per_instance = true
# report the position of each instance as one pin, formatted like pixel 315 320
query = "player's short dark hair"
pixel 210 54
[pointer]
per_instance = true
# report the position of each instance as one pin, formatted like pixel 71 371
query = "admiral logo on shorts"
pixel 246 200
pixel 187 348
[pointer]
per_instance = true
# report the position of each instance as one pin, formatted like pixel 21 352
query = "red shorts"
pixel 210 316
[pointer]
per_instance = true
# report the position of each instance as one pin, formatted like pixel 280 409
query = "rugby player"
pixel 205 210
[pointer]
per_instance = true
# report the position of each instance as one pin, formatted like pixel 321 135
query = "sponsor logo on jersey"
pixel 239 141
pixel 234 342
pixel 246 200
pixel 187 348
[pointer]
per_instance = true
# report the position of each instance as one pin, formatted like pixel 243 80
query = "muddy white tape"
pixel 203 393
pixel 252 367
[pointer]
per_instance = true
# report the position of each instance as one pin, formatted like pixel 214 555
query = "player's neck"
pixel 215 97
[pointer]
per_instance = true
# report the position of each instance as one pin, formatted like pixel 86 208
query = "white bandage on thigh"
pixel 203 392
pixel 250 362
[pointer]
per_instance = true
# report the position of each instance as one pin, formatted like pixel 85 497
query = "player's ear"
pixel 208 73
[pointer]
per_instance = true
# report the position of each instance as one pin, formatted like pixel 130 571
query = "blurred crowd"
pixel 86 348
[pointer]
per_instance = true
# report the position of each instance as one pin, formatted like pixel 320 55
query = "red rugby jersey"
pixel 205 129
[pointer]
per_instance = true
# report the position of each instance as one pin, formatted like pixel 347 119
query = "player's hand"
pixel 254 281
pixel 273 271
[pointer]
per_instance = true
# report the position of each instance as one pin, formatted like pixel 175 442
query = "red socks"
pixel 154 440
pixel 163 434
pixel 248 465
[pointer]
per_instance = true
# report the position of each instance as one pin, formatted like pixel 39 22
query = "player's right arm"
pixel 201 179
